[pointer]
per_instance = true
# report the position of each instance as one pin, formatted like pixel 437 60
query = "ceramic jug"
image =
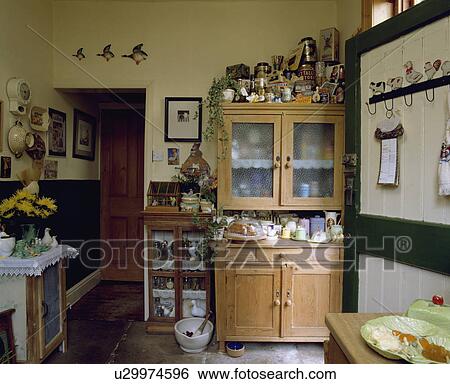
pixel 330 220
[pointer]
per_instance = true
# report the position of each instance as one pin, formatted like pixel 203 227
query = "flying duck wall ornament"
pixel 107 54
pixel 138 54
pixel 431 69
pixel 412 76
pixel 80 55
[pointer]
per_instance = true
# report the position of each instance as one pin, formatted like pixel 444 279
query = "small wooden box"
pixel 329 45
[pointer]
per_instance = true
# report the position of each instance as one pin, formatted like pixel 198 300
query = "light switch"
pixel 158 156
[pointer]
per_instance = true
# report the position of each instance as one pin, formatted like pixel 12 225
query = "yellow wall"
pixel 348 21
pixel 189 42
pixel 23 54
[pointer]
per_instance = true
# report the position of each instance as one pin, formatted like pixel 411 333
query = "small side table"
pixel 36 289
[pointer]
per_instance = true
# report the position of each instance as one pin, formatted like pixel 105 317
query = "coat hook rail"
pixel 409 90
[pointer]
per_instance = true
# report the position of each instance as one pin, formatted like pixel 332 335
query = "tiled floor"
pixel 127 343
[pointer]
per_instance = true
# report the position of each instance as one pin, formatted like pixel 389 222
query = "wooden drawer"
pixel 299 255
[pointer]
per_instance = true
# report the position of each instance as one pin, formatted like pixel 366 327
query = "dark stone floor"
pixel 122 342
pixel 103 327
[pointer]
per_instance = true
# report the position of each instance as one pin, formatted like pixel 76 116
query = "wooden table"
pixel 346 346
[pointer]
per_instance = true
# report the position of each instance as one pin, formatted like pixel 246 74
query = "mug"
pixel 300 233
pixel 286 234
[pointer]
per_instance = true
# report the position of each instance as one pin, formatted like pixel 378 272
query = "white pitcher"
pixel 330 220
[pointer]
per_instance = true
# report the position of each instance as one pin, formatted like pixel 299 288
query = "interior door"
pixel 253 298
pixel 311 161
pixel 250 169
pixel 308 295
pixel 122 188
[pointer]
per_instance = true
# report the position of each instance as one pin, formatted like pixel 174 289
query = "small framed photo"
pixel 84 128
pixel 50 169
pixel 1 125
pixel 5 167
pixel 173 156
pixel 183 119
pixel 7 347
pixel 329 45
pixel 57 133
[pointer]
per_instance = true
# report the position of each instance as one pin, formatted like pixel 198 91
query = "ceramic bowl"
pixel 195 344
pixel 7 246
pixel 235 349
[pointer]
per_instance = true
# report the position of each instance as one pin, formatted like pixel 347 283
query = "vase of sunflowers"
pixel 24 213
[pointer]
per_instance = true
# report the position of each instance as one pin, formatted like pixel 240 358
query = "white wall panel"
pixel 399 287
pixel 416 197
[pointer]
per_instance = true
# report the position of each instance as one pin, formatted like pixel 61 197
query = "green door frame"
pixel 424 253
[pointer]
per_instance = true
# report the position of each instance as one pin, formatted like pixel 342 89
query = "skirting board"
pixel 82 288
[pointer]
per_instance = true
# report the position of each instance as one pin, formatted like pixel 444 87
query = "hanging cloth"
pixel 444 163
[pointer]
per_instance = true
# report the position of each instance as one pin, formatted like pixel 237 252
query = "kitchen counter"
pixel 346 346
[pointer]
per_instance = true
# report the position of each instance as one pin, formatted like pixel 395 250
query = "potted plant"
pixel 220 88
pixel 23 213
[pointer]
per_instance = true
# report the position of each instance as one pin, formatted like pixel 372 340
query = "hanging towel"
pixel 444 163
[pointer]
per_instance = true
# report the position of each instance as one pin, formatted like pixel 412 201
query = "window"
pixel 377 11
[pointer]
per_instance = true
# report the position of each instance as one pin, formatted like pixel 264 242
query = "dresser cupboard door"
pixel 308 295
pixel 312 149
pixel 249 162
pixel 253 300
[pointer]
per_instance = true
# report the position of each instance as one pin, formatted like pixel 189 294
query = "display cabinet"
pixel 277 157
pixel 177 272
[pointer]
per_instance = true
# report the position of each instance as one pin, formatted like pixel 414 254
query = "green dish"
pixel 418 328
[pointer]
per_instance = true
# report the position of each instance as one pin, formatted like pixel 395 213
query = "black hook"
pixel 426 95
pixel 368 109
pixel 406 103
pixel 389 112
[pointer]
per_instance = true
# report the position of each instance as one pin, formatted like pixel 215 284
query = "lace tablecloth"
pixel 13 266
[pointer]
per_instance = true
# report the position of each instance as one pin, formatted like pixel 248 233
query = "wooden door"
pixel 253 302
pixel 122 190
pixel 308 295
pixel 311 166
pixel 249 171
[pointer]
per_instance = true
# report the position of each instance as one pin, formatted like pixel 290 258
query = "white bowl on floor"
pixel 194 344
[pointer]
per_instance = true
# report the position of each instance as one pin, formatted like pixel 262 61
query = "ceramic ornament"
pixel 446 68
pixel 377 88
pixel 47 239
pixel 80 55
pixel 395 82
pixel 412 76
pixel 138 54
pixel 54 243
pixel 107 54
pixel 431 69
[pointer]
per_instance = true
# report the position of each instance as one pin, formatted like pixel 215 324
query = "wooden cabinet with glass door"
pixel 281 156
pixel 178 275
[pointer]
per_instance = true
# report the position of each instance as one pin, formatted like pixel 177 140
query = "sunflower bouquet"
pixel 26 204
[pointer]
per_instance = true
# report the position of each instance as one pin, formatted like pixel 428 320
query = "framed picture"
pixel 183 119
pixel 1 125
pixel 173 156
pixel 57 133
pixel 7 347
pixel 83 135
pixel 5 167
pixel 50 169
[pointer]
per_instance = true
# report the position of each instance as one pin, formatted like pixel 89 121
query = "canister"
pixel 305 224
pixel 317 224
pixel 304 190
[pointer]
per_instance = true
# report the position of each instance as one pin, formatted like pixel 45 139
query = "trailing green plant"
pixel 215 110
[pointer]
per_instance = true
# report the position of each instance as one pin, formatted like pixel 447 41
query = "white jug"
pixel 330 220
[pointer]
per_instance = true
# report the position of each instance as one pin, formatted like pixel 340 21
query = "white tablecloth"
pixel 14 266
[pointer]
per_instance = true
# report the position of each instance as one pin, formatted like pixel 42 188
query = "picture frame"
pixel 7 346
pixel 5 167
pixel 57 133
pixel 1 125
pixel 183 119
pixel 84 135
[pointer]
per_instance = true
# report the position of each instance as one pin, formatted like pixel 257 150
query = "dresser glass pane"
pixel 252 159
pixel 313 166
pixel 52 304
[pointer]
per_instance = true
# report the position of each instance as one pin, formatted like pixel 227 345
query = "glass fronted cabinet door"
pixel 311 161
pixel 249 167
